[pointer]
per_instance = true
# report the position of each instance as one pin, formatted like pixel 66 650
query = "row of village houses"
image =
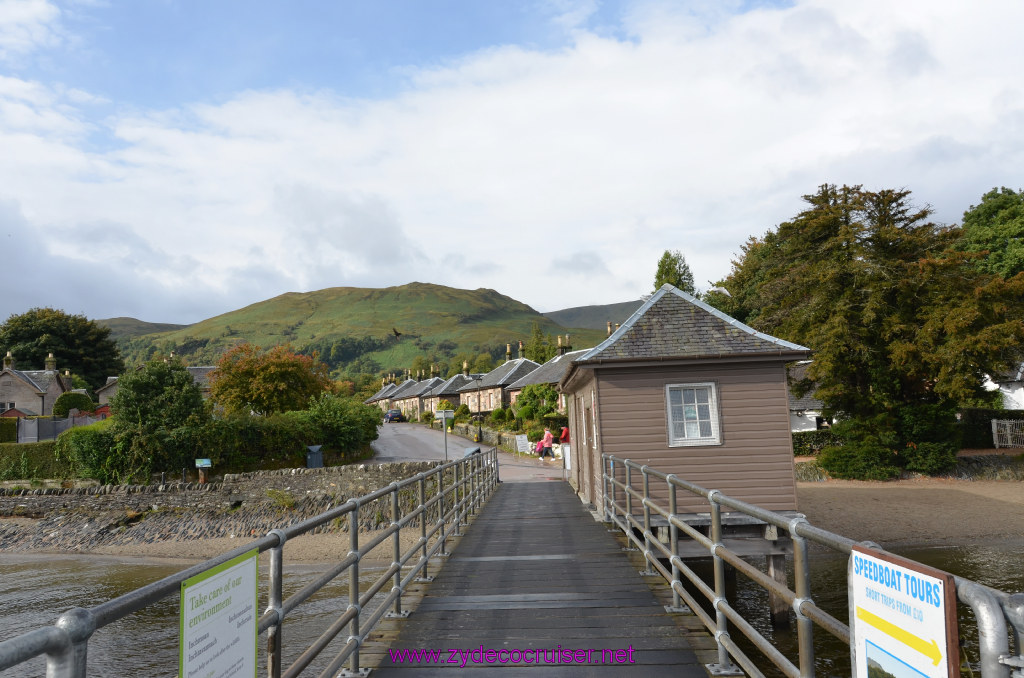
pixel 679 386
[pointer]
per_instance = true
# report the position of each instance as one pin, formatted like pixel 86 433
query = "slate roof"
pixel 674 324
pixel 403 389
pixel 383 393
pixel 452 385
pixel 503 375
pixel 424 387
pixel 550 372
pixel 201 375
pixel 37 379
pixel 1010 376
pixel 796 373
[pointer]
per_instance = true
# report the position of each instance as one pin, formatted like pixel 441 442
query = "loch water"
pixel 35 590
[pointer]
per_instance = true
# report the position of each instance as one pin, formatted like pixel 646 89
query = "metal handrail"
pixel 457 489
pixel 996 612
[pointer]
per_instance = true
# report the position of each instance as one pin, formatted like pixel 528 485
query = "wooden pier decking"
pixel 535 571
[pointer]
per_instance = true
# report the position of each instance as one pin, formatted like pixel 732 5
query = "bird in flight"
pixel 396 333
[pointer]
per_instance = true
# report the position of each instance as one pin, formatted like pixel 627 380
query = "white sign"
pixel 444 414
pixel 219 620
pixel 522 444
pixel 902 618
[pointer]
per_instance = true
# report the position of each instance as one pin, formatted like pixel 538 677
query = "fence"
pixel 447 495
pixel 1008 432
pixel 35 430
pixel 993 609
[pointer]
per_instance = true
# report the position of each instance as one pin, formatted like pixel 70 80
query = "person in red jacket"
pixel 564 438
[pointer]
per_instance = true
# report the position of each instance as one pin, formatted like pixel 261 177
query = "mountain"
pixel 594 317
pixel 130 327
pixel 384 328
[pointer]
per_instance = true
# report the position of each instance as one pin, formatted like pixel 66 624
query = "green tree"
pixel 538 348
pixel 538 399
pixel 248 379
pixel 77 343
pixel 72 401
pixel 996 227
pixel 483 363
pixel 673 269
pixel 903 326
pixel 150 403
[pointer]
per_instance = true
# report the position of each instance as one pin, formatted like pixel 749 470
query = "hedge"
pixel 8 430
pixel 809 443
pixel 31 461
pixel 976 425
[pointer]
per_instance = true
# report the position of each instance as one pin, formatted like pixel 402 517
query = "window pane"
pixel 675 397
pixel 677 430
pixel 689 396
pixel 702 395
pixel 703 412
pixel 692 430
pixel 690 412
pixel 705 429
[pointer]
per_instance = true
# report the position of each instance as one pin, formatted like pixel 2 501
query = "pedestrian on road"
pixel 546 441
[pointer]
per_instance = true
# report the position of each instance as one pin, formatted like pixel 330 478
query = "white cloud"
pixel 27 25
pixel 557 177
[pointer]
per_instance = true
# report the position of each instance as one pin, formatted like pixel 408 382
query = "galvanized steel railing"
pixel 998 614
pixel 457 490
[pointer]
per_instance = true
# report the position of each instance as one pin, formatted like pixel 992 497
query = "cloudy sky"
pixel 176 159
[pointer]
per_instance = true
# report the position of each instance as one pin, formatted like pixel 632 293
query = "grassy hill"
pixel 594 317
pixel 346 325
pixel 130 327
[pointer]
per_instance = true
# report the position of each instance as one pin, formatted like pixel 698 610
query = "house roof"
pixel 382 393
pixel 111 382
pixel 503 375
pixel 795 373
pixel 403 389
pixel 1010 376
pixel 452 385
pixel 40 380
pixel 674 324
pixel 424 387
pixel 550 372
pixel 201 374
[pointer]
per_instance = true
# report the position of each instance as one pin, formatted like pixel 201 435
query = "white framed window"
pixel 693 414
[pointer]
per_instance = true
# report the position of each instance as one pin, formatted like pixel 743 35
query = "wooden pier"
pixel 533 572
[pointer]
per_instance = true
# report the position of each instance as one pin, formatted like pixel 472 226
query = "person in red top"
pixel 547 440
pixel 564 438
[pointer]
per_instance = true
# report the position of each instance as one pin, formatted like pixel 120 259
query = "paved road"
pixel 413 442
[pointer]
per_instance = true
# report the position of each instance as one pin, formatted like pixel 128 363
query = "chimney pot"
pixel 609 328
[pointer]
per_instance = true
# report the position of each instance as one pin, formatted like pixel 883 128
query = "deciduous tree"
pixel 77 343
pixel 995 226
pixel 248 379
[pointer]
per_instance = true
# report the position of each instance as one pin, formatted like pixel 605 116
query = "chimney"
pixel 508 353
pixel 568 346
pixel 616 327
pixel 50 363
pixel 609 328
pixel 8 361
pixel 520 349
pixel 465 368
pixel 561 349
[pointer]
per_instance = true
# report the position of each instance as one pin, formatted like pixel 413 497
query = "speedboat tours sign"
pixel 902 618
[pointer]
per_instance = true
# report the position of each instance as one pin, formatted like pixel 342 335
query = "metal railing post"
pixel 629 495
pixel 274 598
pixel 459 477
pixel 424 575
pixel 396 517
pixel 608 469
pixel 673 536
pixel 648 555
pixel 802 589
pixel 724 664
pixel 79 625
pixel 353 586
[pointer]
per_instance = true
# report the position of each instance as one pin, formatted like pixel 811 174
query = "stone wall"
pixel 244 504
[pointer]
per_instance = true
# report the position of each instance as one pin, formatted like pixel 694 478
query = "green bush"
pixel 808 443
pixel 499 415
pixel 931 458
pixel 555 421
pixel 533 435
pixel 30 461
pixel 861 460
pixel 8 430
pixel 87 452
pixel 427 418
pixel 525 413
pixel 976 425
pixel 72 401
pixel 462 410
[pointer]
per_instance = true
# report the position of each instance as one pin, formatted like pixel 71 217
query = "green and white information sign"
pixel 902 618
pixel 219 620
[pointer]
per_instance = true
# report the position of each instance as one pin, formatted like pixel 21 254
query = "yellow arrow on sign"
pixel 928 649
